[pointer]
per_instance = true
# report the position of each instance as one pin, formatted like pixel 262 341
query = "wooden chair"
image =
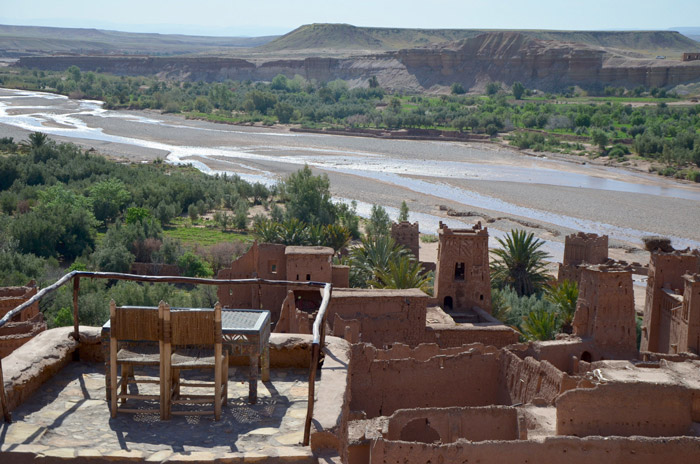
pixel 193 340
pixel 134 324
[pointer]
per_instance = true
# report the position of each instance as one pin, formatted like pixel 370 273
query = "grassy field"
pixel 203 233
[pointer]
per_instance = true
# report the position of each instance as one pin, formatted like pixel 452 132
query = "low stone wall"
pixel 639 450
pixel 35 362
pixel 447 425
pixel 625 409
pixel 445 335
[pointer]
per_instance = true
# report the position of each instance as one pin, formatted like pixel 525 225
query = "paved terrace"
pixel 67 416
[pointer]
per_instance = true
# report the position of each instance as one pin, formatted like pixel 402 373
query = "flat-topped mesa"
pixel 665 329
pixel 462 279
pixel 605 310
pixel 581 249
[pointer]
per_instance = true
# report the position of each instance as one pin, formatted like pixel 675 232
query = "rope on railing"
pixel 319 322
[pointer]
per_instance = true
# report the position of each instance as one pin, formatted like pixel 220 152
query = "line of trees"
pixel 662 133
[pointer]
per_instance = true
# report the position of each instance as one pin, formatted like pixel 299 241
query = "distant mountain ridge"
pixel 34 40
pixel 348 37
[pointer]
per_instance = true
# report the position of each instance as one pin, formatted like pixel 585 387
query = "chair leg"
pixel 225 369
pixel 113 376
pixel 218 377
pixel 127 371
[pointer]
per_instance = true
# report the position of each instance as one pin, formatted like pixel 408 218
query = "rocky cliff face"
pixel 508 57
pixel 500 56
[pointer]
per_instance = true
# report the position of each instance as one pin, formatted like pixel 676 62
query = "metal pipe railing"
pixel 318 327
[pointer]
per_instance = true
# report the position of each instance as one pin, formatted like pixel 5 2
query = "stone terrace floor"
pixel 69 417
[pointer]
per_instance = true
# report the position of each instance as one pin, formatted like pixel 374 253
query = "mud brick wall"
pixel 453 336
pixel 451 424
pixel 385 317
pixel 639 450
pixel 626 409
pixel 523 380
pixel 380 387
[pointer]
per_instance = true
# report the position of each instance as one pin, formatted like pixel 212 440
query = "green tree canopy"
pixel 308 197
pixel 519 263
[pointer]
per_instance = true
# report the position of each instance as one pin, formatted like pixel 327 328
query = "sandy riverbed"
pixel 552 196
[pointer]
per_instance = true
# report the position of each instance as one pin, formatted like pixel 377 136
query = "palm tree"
pixel 540 324
pixel 404 272
pixel 564 297
pixel 519 264
pixel 373 255
pixel 37 139
pixel 267 231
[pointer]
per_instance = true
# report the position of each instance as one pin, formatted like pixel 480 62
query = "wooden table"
pixel 246 332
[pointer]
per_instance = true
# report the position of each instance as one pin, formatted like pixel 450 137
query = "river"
pixel 489 181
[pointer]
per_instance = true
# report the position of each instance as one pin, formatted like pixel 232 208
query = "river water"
pixel 624 205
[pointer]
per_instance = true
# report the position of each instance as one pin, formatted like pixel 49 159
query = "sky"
pixel 272 17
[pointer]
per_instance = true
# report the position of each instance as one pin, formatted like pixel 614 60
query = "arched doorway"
pixel 586 356
pixel 447 303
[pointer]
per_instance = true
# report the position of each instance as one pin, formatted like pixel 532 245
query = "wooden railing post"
pixel 3 398
pixel 316 347
pixel 315 353
pixel 76 319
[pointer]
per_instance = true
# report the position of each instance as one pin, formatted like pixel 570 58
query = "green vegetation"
pixel 519 263
pixel 520 296
pixel 564 297
pixel 56 200
pixel 603 123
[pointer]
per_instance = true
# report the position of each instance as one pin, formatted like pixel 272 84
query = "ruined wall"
pixel 523 380
pixel 451 424
pixel 457 335
pixel 625 409
pixel 605 311
pixel 24 326
pixel 407 235
pixel 11 297
pixel 384 316
pixel 637 450
pixel 561 353
pixel 582 248
pixel 341 276
pixel 462 279
pixel 666 270
pixel 381 387
pixel 691 313
pixel 293 320
pixel 270 261
pixel 15 334
pixel 309 263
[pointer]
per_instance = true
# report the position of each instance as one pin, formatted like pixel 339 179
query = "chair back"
pixel 195 327
pixel 134 322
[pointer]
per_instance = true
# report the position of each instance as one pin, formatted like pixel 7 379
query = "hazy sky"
pixel 261 17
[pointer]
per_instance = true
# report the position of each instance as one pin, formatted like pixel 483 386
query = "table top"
pixel 233 321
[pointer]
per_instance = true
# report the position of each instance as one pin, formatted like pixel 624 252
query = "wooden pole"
pixel 315 353
pixel 76 319
pixel 3 398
